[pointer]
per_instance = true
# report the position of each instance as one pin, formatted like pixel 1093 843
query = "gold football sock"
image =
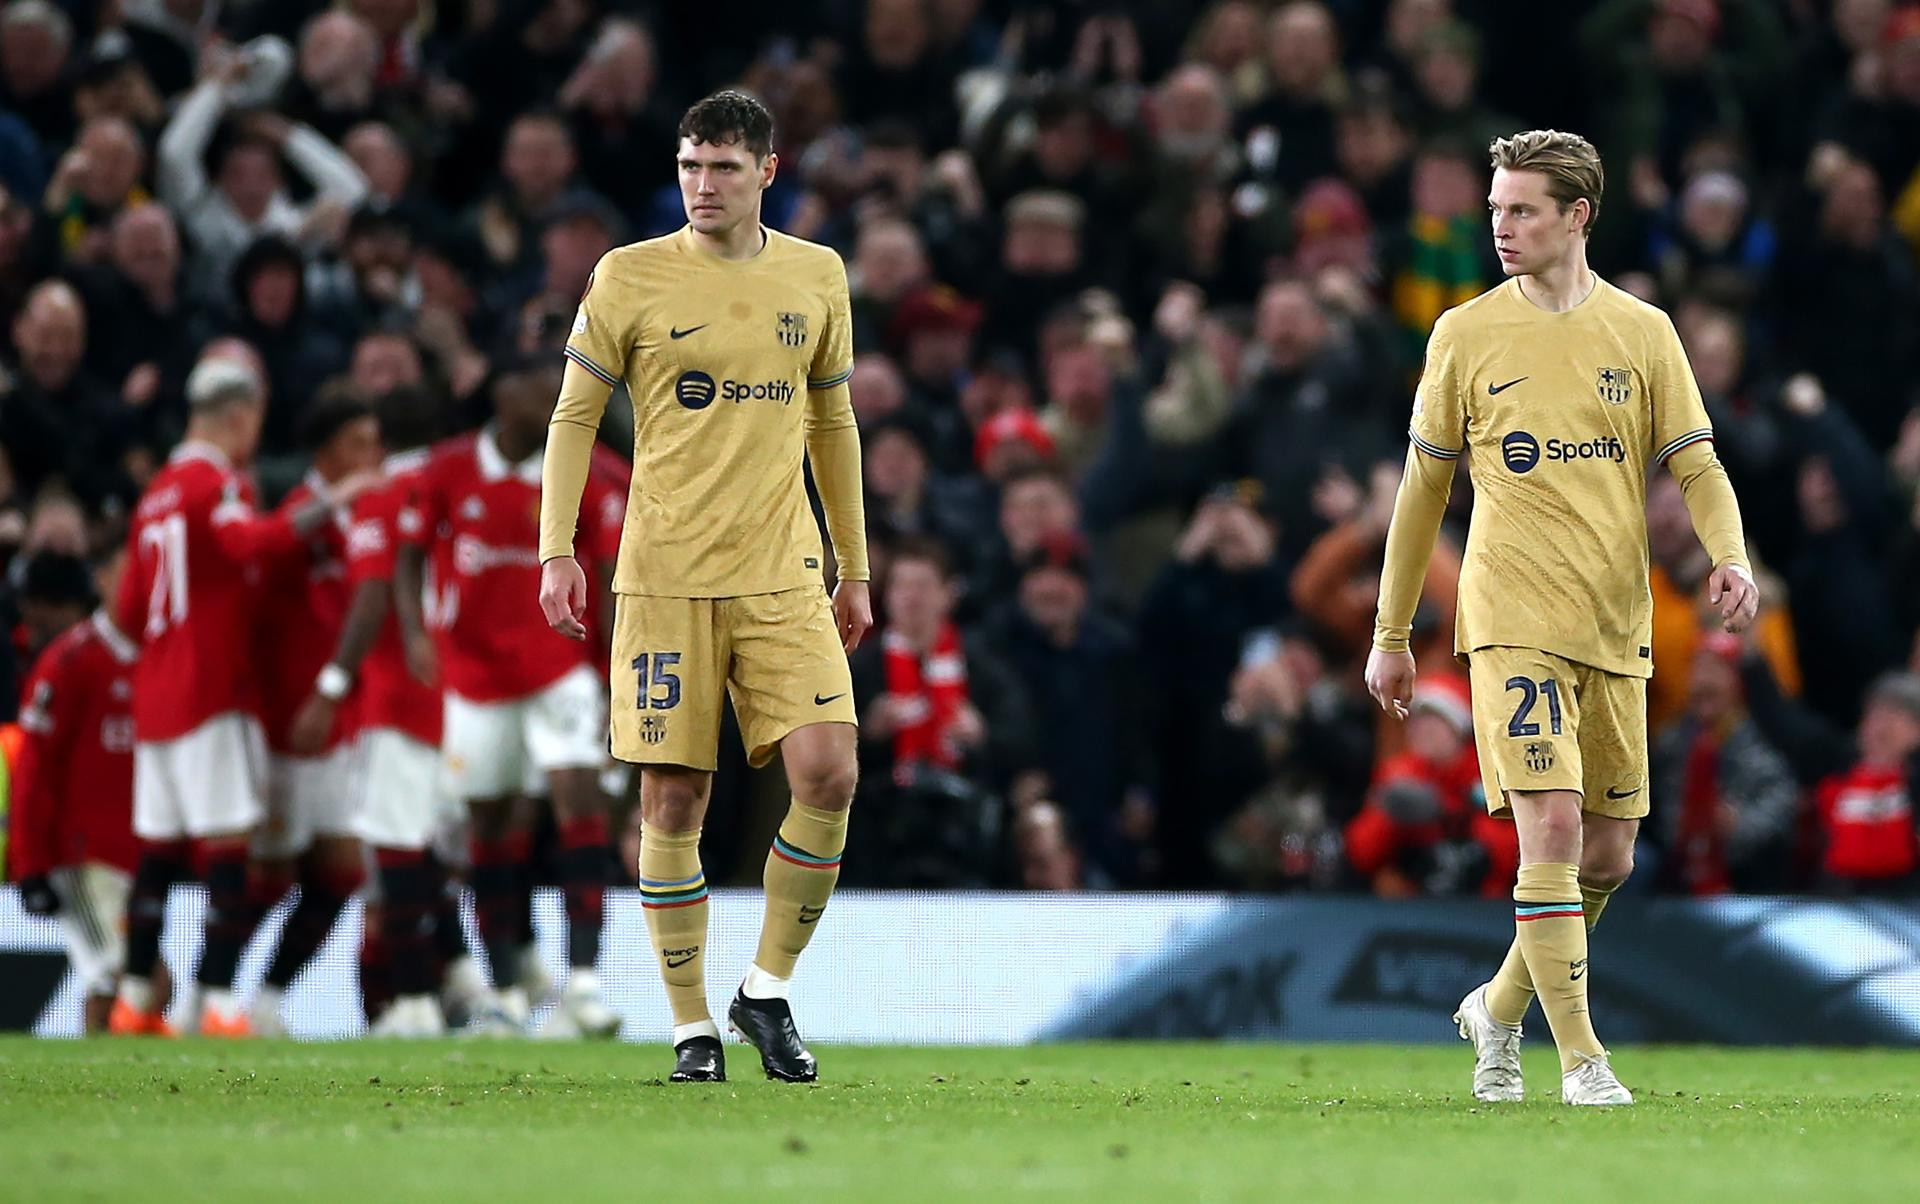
pixel 1553 939
pixel 673 893
pixel 1510 992
pixel 801 870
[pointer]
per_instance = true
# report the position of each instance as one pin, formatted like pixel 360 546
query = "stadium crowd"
pixel 1140 293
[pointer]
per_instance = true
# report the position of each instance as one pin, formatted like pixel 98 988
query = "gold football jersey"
pixel 1560 416
pixel 729 363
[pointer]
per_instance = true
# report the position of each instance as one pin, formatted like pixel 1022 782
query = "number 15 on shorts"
pixel 660 689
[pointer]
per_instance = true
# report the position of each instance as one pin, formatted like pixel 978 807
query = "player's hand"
pixel 563 596
pixel 423 663
pixel 1390 680
pixel 852 612
pixel 1733 591
pixel 312 724
pixel 37 897
pixel 344 491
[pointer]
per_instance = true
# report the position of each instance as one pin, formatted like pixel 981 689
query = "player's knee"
pixel 827 784
pixel 673 802
pixel 1606 869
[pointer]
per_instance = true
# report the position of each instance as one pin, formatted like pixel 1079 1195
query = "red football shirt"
pixel 303 608
pixel 388 695
pixel 1866 817
pixel 73 788
pixel 480 515
pixel 191 590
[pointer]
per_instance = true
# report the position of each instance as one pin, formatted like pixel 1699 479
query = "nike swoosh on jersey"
pixel 677 333
pixel 1613 792
pixel 1493 390
pixel 820 702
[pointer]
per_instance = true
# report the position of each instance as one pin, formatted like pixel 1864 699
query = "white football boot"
pixel 414 1017
pixel 263 1014
pixel 1593 1084
pixel 582 1004
pixel 1496 1050
pixel 535 980
pixel 499 1014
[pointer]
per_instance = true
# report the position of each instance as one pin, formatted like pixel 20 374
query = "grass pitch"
pixel 476 1121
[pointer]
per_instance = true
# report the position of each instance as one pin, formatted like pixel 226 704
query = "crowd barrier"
pixel 981 968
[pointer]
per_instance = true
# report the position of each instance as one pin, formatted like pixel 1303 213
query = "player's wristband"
pixel 333 683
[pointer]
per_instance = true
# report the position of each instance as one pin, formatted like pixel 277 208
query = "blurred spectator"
pixel 1678 583
pixel 1226 580
pixel 140 295
pixel 888 262
pixel 1297 414
pixel 36 42
pixel 1041 266
pixel 929 696
pixel 1729 800
pixel 1849 306
pixel 624 135
pixel 246 199
pixel 271 313
pixel 1868 842
pixel 1442 257
pixel 537 165
pixel 894 70
pixel 1338 579
pixel 1078 669
pixel 1425 829
pixel 95 182
pixel 1289 132
pixel 905 495
pixel 56 420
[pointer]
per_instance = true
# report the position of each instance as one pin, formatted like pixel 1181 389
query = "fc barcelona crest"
pixel 1615 385
pixel 1539 756
pixel 792 328
pixel 653 729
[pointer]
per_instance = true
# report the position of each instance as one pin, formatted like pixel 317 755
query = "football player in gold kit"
pixel 735 344
pixel 1563 393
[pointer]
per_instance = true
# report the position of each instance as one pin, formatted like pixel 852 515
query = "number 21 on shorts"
pixel 659 690
pixel 1530 692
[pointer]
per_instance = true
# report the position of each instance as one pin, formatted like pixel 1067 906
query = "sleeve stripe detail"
pixel 828 382
pixel 581 359
pixel 1686 440
pixel 1432 449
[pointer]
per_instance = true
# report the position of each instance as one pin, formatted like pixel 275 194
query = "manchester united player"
pixel 399 744
pixel 71 841
pixel 312 786
pixel 525 709
pixel 189 595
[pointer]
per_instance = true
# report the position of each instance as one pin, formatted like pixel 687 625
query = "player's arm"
pixel 246 534
pixel 1436 436
pixel 833 451
pixel 46 729
pixel 369 560
pixel 1683 441
pixel 596 355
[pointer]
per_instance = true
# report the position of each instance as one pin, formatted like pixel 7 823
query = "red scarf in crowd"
pixel 1702 848
pixel 935 689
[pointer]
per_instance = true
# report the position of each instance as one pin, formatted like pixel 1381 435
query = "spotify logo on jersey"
pixel 1521 451
pixel 694 390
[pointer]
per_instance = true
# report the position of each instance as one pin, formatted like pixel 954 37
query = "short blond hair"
pixel 1569 162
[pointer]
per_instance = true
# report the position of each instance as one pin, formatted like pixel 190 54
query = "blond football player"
pixel 1563 393
pixel 734 341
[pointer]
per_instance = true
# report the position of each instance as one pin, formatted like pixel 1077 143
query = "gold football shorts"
pixel 778 656
pixel 1543 722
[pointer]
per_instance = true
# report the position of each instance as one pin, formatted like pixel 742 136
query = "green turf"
pixel 485 1121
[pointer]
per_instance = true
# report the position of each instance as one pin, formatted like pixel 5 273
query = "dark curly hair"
pixel 727 117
